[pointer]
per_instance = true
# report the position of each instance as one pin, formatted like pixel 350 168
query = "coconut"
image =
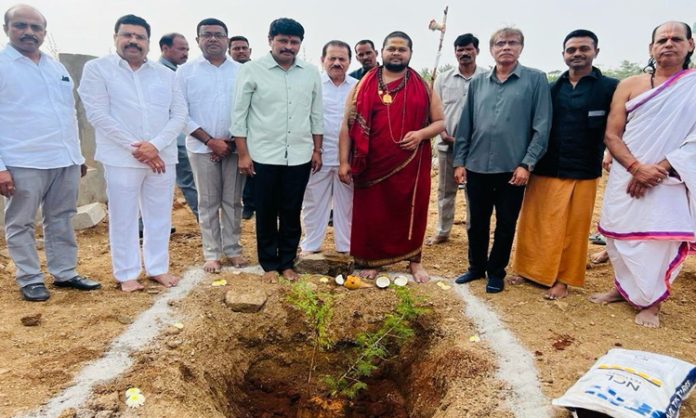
pixel 340 280
pixel 383 282
pixel 401 281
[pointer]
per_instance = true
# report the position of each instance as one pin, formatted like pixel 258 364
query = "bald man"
pixel 40 159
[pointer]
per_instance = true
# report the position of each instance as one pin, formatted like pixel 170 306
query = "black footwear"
pixel 247 213
pixel 469 276
pixel 35 292
pixel 79 283
pixel 495 285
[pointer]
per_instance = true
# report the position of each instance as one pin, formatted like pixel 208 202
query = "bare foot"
pixel 649 317
pixel 212 266
pixel 367 274
pixel 237 261
pixel 166 279
pixel 290 274
pixel 557 291
pixel 436 239
pixel 600 257
pixel 270 277
pixel 418 272
pixel 131 286
pixel 515 280
pixel 608 297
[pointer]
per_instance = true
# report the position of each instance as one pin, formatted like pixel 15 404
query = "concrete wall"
pixel 92 186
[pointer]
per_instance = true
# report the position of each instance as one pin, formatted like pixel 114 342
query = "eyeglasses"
pixel 208 35
pixel 128 35
pixel 501 44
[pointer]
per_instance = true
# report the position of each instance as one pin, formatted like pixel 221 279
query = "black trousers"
pixel 279 191
pixel 248 194
pixel 485 192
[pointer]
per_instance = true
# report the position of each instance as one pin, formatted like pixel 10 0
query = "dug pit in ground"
pixel 230 364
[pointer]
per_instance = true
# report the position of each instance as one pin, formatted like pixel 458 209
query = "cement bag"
pixel 632 384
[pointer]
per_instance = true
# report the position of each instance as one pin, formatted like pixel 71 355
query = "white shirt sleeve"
pixel 178 113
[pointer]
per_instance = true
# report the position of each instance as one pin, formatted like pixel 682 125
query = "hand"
pixel 219 147
pixel 316 161
pixel 650 174
pixel 460 175
pixel 520 177
pixel 606 161
pixel 446 138
pixel 7 187
pixel 344 173
pixel 83 170
pixel 157 165
pixel 144 151
pixel 246 166
pixel 636 189
pixel 411 140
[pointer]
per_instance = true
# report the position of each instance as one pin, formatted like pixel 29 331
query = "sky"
pixel 623 26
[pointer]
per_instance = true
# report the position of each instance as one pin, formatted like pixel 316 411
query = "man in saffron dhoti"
pixel 560 195
pixel 390 120
pixel 649 213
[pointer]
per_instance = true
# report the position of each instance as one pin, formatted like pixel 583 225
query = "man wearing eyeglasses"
pixel 207 84
pixel 502 133
pixel 137 111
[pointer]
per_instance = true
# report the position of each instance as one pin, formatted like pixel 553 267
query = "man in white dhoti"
pixel 325 191
pixel 649 213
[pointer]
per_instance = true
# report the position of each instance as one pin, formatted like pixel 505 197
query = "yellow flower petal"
pixel 324 279
pixel 136 400
pixel 220 282
pixel 475 339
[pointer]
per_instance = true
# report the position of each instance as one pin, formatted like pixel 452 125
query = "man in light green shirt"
pixel 277 127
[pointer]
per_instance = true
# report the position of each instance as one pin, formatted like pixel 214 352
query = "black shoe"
pixel 495 284
pixel 79 283
pixel 469 276
pixel 35 292
pixel 247 213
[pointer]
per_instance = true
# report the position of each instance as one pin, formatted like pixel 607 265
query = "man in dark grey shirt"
pixel 503 132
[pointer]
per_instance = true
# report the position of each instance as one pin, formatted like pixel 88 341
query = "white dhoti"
pixel 648 238
pixel 324 192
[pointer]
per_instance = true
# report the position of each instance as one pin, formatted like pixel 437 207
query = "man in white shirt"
pixel 40 156
pixel 452 86
pixel 207 84
pixel 324 189
pixel 277 125
pixel 137 111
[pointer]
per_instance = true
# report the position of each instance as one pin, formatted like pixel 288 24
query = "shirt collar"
pixel 123 63
pixel 596 73
pixel 478 70
pixel 325 79
pixel 517 71
pixel 12 52
pixel 167 63
pixel 270 62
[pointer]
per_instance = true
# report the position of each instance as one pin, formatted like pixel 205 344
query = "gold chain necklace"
pixel 403 117
pixel 385 95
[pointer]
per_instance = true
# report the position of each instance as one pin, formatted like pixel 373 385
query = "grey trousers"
pixel 220 188
pixel 55 191
pixel 446 193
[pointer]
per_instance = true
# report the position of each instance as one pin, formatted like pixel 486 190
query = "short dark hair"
pixel 239 38
pixel 286 26
pixel 132 20
pixel 211 21
pixel 365 42
pixel 339 44
pixel 168 39
pixel 399 34
pixel 582 33
pixel 466 39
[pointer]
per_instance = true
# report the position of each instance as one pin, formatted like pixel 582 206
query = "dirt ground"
pixel 77 327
